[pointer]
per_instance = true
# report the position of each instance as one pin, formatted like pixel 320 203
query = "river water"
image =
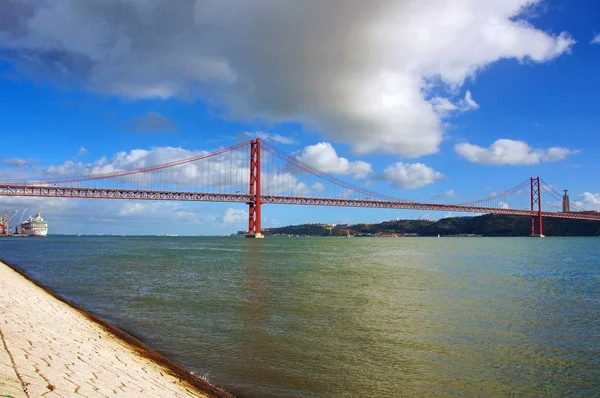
pixel 324 317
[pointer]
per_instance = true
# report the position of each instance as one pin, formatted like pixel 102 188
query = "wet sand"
pixel 51 348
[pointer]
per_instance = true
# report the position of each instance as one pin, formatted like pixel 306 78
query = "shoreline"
pixel 25 305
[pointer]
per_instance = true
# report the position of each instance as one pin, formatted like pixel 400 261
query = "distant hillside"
pixel 486 225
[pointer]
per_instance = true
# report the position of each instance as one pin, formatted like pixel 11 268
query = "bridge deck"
pixel 107 193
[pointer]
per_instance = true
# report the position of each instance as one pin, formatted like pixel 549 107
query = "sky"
pixel 436 101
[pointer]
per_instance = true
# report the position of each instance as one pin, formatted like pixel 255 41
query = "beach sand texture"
pixel 52 349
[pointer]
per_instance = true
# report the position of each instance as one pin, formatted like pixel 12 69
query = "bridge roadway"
pixel 107 193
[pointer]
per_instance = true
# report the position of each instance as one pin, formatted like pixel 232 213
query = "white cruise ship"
pixel 35 226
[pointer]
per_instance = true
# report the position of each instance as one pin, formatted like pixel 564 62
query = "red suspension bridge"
pixel 258 173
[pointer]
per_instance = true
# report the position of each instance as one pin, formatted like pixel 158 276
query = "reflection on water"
pixel 346 317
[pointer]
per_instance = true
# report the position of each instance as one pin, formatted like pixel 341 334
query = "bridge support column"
pixel 254 206
pixel 536 199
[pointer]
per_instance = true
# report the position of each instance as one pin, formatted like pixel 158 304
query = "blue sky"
pixel 434 101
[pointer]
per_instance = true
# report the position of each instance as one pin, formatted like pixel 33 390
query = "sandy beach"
pixel 50 348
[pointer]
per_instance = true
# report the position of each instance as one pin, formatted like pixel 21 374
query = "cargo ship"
pixel 34 226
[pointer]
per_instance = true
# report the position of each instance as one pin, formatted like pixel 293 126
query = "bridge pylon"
pixel 254 205
pixel 536 200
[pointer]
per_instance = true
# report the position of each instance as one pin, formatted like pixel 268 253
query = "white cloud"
pixel 70 216
pixel 596 40
pixel 270 222
pixel 445 107
pixel 225 172
pixel 17 162
pixel 556 204
pixel 82 151
pixel 229 173
pixel 234 215
pixel 268 136
pixel 318 187
pixel 503 205
pixel 410 176
pixel 15 174
pixel 505 151
pixel 468 103
pixel 35 204
pixel 138 207
pixel 358 77
pixel 286 183
pixel 588 201
pixel 323 156
pixel 555 154
pixel 448 194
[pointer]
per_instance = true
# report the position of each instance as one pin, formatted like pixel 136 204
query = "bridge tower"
pixel 536 199
pixel 254 205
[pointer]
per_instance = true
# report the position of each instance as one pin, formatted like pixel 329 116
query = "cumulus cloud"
pixel 448 194
pixel 142 211
pixel 323 156
pixel 364 77
pixel 445 107
pixel 229 173
pixel 410 176
pixel 28 206
pixel 82 151
pixel 234 215
pixel 588 201
pixel 153 122
pixel 286 183
pixel 512 152
pixel 15 173
pixel 133 159
pixel 270 222
pixel 222 172
pixel 468 103
pixel 138 208
pixel 18 162
pixel 281 139
pixel 318 187
pixel 596 40
pixel 70 216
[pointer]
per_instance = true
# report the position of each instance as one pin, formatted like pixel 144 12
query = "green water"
pixel 323 317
